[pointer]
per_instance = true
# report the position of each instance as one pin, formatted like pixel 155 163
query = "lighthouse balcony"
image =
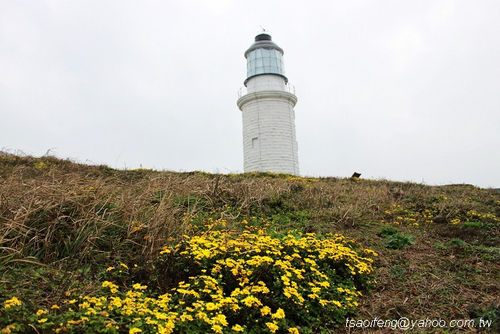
pixel 289 88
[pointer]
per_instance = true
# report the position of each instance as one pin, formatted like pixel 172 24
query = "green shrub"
pixel 471 225
pixel 458 242
pixel 490 314
pixel 395 239
pixel 438 245
pixel 398 241
pixel 387 231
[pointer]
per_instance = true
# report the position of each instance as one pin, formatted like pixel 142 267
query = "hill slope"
pixel 62 224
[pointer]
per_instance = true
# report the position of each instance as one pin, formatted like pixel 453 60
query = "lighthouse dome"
pixel 264 57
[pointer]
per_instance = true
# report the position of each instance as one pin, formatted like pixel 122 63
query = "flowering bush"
pixel 223 281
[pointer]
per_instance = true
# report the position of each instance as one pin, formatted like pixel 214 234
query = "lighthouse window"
pixel 254 142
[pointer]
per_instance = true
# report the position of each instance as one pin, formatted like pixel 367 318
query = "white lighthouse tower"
pixel 269 142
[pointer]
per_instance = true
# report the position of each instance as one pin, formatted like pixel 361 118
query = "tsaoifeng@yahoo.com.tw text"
pixel 405 323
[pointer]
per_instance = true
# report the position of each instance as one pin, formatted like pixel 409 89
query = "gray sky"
pixel 401 90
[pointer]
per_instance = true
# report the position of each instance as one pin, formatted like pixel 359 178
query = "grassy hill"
pixel 64 225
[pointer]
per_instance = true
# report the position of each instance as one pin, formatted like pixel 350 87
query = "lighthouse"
pixel 266 103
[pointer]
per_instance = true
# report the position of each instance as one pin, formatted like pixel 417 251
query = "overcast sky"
pixel 399 90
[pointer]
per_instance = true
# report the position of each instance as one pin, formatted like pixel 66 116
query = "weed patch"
pixel 398 241
pixel 395 239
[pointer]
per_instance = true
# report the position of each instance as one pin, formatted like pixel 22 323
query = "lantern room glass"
pixel 264 61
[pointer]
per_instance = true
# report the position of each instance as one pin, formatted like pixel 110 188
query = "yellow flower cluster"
pixel 41 165
pixel 486 216
pixel 242 281
pixel 12 302
pixel 112 287
pixel 400 215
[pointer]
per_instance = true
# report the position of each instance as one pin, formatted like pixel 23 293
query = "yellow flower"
pixel 137 286
pixel 84 305
pixel 40 165
pixel 42 320
pixel 116 302
pixel 12 302
pixel 293 330
pixel 220 319
pixel 237 328
pixel 265 310
pixel 211 306
pixel 324 284
pixel 124 265
pixel 251 300
pixel 203 316
pixel 7 330
pixel 40 312
pixel 165 250
pixel 217 328
pixel 134 330
pixel 336 303
pixel 54 307
pixel 112 287
pixel 110 268
pixel 280 314
pixel 272 326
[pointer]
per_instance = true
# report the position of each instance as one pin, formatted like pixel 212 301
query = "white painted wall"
pixel 265 82
pixel 269 140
